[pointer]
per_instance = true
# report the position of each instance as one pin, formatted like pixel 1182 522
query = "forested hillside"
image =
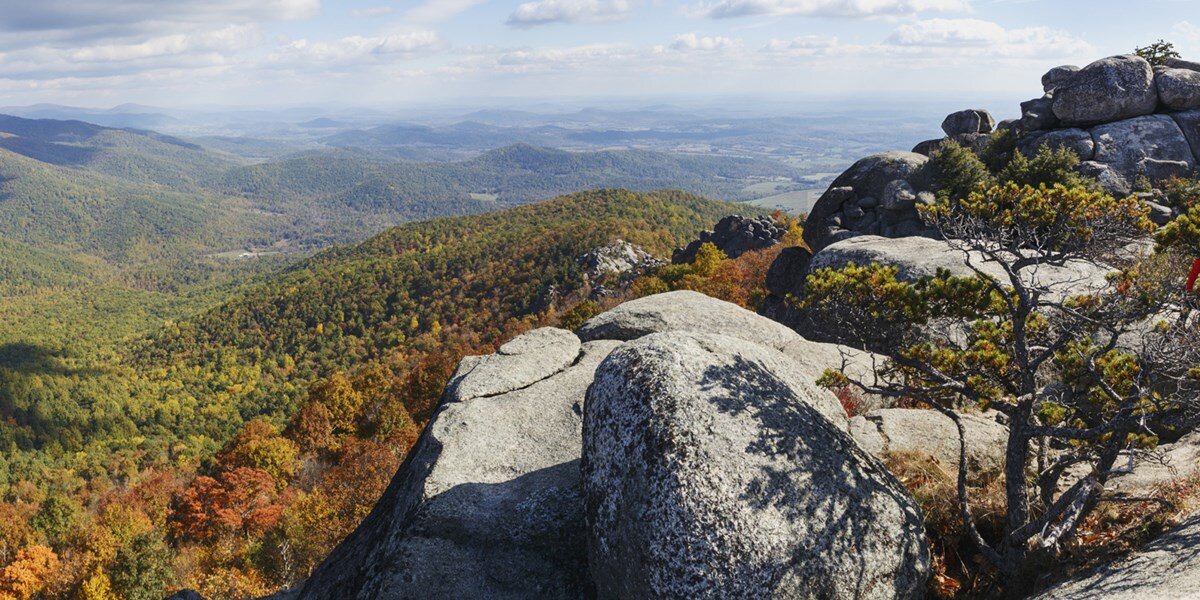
pixel 230 451
pixel 134 155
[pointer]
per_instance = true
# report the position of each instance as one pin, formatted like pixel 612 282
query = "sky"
pixel 180 53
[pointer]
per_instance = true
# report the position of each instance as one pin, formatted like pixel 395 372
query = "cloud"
pixel 436 11
pixel 227 39
pixel 1187 31
pixel 137 15
pixel 357 50
pixel 544 12
pixel 989 36
pixel 808 45
pixel 725 9
pixel 374 11
pixel 693 42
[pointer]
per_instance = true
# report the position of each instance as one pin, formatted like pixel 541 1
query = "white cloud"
pixel 227 39
pixel 357 50
pixel 691 41
pixel 543 12
pixel 1187 31
pixel 723 9
pixel 809 45
pixel 115 17
pixel 436 11
pixel 989 36
pixel 374 11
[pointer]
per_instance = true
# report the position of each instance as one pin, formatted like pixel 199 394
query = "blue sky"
pixel 391 52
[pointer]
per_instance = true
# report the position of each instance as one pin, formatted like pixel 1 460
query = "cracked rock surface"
pixel 488 503
pixel 712 469
pixel 933 434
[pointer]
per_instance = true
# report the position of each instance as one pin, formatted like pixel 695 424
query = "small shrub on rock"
pixel 956 172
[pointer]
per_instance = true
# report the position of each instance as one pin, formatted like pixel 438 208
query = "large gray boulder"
pixel 1057 76
pixel 1076 140
pixel 1152 146
pixel 711 470
pixel 734 235
pixel 1179 63
pixel 853 203
pixel 975 120
pixel 1110 89
pixel 930 433
pixel 1038 114
pixel 526 359
pixel 914 257
pixel 1168 567
pixel 1178 89
pixel 917 257
pixel 1189 123
pixel 684 311
pixel 488 504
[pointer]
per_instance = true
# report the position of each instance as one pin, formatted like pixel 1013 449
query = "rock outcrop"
pixel 489 503
pixel 684 311
pixel 735 235
pixel 876 195
pixel 610 268
pixel 1168 567
pixel 1110 89
pixel 933 434
pixel 711 469
pixel 968 121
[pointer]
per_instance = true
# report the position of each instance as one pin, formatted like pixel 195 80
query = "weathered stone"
pixel 1179 63
pixel 1038 114
pixel 1076 140
pixel 1178 89
pixel 1151 146
pixel 1168 567
pixel 711 470
pixel 684 311
pixel 933 434
pixel 968 121
pixel 1109 179
pixel 735 235
pixel 526 359
pixel 185 595
pixel 619 258
pixel 1161 215
pixel 488 504
pixel 928 147
pixel 975 142
pixel 1057 76
pixel 1189 123
pixel 920 257
pixel 1110 89
pixel 786 275
pixel 866 178
pixel 898 195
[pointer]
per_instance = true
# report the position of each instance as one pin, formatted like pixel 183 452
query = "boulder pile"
pixel 734 235
pixel 1129 123
pixel 677 446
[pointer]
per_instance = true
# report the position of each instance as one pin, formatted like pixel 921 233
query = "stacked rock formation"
pixel 734 235
pixel 1130 124
pixel 675 446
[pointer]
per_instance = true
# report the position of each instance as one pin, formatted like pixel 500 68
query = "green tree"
pixel 708 258
pixel 1157 53
pixel 56 516
pixel 956 172
pixel 1011 339
pixel 141 570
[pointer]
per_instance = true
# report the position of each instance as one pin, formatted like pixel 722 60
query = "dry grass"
pixel 957 571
